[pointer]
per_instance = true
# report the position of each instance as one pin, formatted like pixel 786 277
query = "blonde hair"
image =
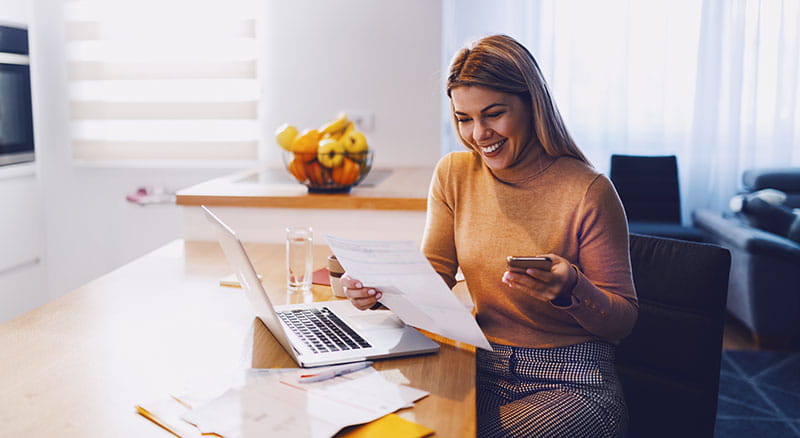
pixel 502 64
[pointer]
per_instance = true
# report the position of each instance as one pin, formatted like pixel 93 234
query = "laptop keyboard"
pixel 322 331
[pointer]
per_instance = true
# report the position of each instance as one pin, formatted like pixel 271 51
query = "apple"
pixel 355 143
pixel 330 153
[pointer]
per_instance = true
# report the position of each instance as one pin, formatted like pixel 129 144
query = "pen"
pixel 333 372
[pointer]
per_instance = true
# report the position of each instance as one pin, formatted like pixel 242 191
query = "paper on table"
pixel 167 413
pixel 232 281
pixel 275 405
pixel 410 286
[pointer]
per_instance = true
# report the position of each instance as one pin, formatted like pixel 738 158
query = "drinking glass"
pixel 299 259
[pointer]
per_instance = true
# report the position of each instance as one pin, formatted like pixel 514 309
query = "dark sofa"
pixel 764 290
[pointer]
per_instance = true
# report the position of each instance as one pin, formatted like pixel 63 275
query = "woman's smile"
pixel 492 149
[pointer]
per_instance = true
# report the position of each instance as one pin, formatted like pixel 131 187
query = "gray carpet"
pixel 759 395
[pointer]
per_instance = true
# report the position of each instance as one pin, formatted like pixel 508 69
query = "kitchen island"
pixel 260 203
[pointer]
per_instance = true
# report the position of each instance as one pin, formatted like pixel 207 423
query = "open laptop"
pixel 323 332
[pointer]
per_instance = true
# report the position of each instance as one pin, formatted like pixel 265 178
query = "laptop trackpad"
pixel 376 320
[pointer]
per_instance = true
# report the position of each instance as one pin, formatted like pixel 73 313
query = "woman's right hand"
pixel 361 297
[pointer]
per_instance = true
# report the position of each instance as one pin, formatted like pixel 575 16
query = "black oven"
pixel 16 111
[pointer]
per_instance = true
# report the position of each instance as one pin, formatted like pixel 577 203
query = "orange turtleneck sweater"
pixel 476 217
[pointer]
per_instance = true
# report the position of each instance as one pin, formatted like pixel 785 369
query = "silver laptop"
pixel 323 332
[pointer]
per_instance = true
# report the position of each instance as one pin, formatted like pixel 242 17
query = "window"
pixel 162 80
pixel 715 83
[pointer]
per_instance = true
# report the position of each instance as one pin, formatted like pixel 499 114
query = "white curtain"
pixel 714 83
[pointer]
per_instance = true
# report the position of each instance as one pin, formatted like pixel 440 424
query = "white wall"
pixel 14 12
pixel 323 57
pixel 320 57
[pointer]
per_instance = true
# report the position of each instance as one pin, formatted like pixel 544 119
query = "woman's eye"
pixel 493 115
pixel 463 120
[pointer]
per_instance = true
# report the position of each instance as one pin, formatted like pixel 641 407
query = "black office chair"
pixel 649 190
pixel 669 365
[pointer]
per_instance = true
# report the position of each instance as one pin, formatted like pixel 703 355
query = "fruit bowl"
pixel 337 173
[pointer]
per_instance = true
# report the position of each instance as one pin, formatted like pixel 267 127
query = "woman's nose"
pixel 481 132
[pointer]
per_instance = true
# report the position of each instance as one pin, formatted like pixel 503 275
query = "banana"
pixel 285 135
pixel 335 125
pixel 347 129
pixel 340 135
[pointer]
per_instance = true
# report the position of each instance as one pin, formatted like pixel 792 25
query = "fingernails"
pixel 371 291
pixel 359 285
pixel 378 296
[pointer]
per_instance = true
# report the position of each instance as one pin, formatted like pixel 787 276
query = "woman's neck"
pixel 532 161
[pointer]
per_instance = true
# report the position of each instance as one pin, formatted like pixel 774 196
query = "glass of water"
pixel 299 259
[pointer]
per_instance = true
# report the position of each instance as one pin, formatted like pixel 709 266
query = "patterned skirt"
pixel 570 391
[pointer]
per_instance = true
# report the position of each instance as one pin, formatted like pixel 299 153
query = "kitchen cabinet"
pixel 22 285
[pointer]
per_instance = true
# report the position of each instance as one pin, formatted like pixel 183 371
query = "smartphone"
pixel 520 264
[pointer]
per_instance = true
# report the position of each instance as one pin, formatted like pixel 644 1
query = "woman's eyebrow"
pixel 492 106
pixel 488 107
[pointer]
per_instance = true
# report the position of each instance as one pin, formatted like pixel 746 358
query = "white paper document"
pixel 410 286
pixel 276 405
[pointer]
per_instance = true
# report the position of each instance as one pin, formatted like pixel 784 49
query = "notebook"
pixel 323 332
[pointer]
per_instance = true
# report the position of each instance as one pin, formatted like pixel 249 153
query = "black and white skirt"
pixel 570 391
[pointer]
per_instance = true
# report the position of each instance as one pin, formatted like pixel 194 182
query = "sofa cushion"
pixel 785 179
pixel 776 219
pixel 732 232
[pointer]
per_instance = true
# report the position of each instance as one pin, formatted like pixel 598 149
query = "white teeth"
pixel 492 148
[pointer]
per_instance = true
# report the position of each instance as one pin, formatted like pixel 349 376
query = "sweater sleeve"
pixel 438 240
pixel 604 299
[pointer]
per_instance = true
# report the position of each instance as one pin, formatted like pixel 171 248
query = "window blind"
pixel 162 80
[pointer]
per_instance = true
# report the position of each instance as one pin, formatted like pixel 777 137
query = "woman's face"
pixel 498 125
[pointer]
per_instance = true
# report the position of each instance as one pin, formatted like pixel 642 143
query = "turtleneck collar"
pixel 532 162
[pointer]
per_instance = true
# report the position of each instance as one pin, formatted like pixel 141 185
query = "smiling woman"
pixel 154 82
pixel 524 188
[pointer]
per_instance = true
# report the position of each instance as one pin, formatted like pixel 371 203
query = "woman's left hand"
pixel 544 285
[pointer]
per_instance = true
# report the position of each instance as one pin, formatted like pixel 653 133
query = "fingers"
pixel 530 285
pixel 350 282
pixel 541 284
pixel 361 297
pixel 360 301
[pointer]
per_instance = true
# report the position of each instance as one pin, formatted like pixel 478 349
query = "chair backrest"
pixel 648 187
pixel 669 365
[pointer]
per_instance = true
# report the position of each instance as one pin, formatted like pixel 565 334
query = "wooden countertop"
pixel 77 366
pixel 401 188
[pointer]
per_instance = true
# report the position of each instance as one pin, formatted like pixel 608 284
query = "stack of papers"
pixel 411 287
pixel 273 403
